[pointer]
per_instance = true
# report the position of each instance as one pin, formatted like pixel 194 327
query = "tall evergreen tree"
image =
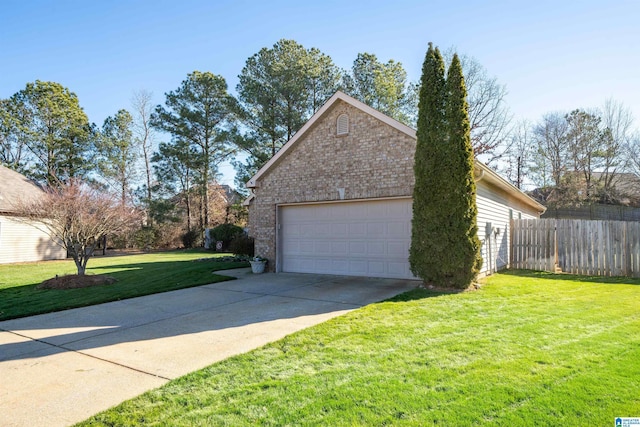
pixel 117 154
pixel 48 120
pixel 199 112
pixel 383 86
pixel 279 89
pixel 444 244
pixel 463 262
pixel 426 247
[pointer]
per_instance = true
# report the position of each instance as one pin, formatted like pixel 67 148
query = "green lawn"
pixel 136 275
pixel 526 349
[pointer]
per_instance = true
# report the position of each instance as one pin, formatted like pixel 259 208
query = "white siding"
pixel 21 242
pixel 495 209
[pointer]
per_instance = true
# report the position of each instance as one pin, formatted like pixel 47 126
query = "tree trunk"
pixel 205 178
pixel 188 203
pixel 77 259
pixel 148 171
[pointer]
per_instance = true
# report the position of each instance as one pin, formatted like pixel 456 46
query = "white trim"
pixel 326 202
pixel 248 200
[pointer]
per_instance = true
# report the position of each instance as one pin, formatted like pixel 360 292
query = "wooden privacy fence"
pixel 599 248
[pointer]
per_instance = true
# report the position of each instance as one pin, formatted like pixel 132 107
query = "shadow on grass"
pixel 545 275
pixel 254 300
pixel 132 280
pixel 418 294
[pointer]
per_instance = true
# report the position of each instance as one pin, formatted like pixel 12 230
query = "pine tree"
pixel 444 244
pixel 462 264
pixel 425 253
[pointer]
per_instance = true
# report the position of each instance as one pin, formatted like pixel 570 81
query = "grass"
pixel 526 349
pixel 136 275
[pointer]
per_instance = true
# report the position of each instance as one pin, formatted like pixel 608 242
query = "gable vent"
pixel 343 124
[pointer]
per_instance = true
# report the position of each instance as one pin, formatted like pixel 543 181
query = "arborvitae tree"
pixel 427 251
pixel 462 263
pixel 444 244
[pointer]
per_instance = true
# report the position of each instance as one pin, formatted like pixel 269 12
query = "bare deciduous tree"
pixel 518 155
pixel 144 134
pixel 617 121
pixel 550 135
pixel 489 115
pixel 633 153
pixel 76 217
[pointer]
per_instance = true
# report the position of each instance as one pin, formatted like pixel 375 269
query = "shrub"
pixel 242 245
pixel 225 233
pixel 146 238
pixel 191 239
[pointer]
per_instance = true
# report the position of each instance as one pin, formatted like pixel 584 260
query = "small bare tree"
pixel 517 157
pixel 144 134
pixel 76 217
pixel 489 115
pixel 617 121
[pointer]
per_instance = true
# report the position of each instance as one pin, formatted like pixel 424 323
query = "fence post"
pixel 511 231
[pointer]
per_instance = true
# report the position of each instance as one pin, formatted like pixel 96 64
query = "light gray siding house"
pixel 336 198
pixel 21 241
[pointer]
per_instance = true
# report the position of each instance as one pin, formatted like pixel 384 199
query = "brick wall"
pixel 373 160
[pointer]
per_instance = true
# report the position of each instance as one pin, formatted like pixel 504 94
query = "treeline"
pixel 576 158
pixel 164 158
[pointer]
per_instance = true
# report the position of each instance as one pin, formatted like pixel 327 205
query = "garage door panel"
pixel 307 230
pixel 377 210
pixel 340 267
pixel 294 246
pixel 376 229
pixel 357 248
pixel 376 248
pixel 369 238
pixel 358 268
pixel 339 248
pixel 398 268
pixel 339 230
pixel 323 230
pixel 357 230
pixel 397 229
pixel 376 268
pixel 398 248
pixel 323 247
pixel 293 230
pixel 323 264
pixel 306 247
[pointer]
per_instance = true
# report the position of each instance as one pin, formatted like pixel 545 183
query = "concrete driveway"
pixel 60 368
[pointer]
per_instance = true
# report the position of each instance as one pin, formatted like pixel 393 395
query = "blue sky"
pixel 551 55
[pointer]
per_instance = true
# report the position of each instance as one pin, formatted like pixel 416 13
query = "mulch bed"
pixel 73 281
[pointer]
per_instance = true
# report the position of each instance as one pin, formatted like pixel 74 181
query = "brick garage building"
pixel 336 198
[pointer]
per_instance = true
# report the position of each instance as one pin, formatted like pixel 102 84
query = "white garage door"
pixel 351 238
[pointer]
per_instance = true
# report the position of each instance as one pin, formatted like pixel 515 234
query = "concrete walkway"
pixel 60 368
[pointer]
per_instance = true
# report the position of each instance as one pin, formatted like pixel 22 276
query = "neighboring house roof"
pixel 625 185
pixel 15 187
pixel 485 173
pixel 625 190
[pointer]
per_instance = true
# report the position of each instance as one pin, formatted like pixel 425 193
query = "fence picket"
pixel 602 248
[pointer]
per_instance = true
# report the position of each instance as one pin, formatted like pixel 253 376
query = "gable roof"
pixel 13 187
pixel 486 173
